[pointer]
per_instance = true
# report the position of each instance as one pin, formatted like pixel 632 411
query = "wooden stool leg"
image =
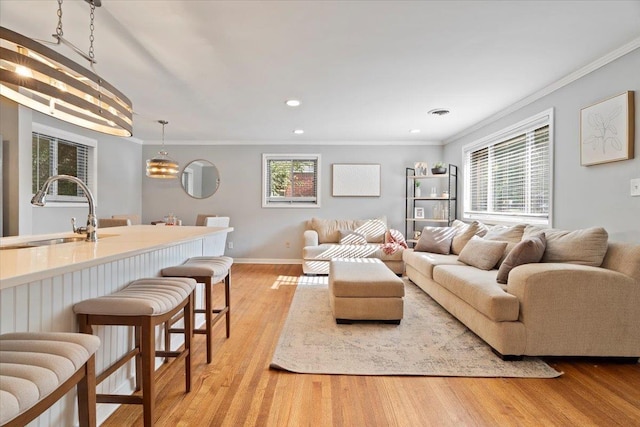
pixel 188 334
pixel 139 364
pixel 167 338
pixel 148 368
pixel 208 314
pixel 227 301
pixel 86 390
pixel 83 324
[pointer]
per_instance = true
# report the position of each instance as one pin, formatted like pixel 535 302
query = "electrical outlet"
pixel 635 187
pixel 230 245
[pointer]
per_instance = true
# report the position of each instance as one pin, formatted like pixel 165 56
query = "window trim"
pixel 92 161
pixel 288 156
pixel 543 118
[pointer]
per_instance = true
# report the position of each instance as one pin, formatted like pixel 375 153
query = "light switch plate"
pixel 635 187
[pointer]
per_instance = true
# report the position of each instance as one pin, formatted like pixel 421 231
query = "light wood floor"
pixel 238 389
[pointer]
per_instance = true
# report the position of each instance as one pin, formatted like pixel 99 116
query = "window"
pixel 291 180
pixel 55 152
pixel 508 175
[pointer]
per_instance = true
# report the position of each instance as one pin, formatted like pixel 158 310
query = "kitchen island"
pixel 39 286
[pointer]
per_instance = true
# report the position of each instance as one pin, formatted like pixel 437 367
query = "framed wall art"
pixel 356 180
pixel 607 130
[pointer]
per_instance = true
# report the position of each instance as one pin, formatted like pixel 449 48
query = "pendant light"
pixel 162 166
pixel 40 78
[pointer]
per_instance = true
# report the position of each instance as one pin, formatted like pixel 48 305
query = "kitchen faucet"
pixel 92 223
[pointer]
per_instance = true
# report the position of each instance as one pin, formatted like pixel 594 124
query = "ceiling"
pixel 365 71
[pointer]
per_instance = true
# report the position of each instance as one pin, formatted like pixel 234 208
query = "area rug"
pixel 428 341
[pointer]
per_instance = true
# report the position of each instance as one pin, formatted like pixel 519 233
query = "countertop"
pixel 18 266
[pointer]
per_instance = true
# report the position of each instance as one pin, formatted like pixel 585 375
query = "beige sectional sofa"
pixel 581 299
pixel 325 239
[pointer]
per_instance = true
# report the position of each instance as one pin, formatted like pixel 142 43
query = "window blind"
pixel 56 156
pixel 508 178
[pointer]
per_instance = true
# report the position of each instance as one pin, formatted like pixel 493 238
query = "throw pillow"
pixel 481 253
pixel 586 247
pixel 464 233
pixel 436 240
pixel 528 251
pixel 373 229
pixel 348 237
pixel 329 229
pixel 505 233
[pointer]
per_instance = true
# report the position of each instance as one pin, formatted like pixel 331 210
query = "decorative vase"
pixel 418 193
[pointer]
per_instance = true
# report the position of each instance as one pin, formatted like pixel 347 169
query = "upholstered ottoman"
pixel 365 289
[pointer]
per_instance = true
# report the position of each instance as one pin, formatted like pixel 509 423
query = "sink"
pixel 49 242
pixel 56 241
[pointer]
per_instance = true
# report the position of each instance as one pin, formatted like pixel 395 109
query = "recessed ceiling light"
pixel 439 111
pixel 298 131
pixel 415 131
pixel 293 103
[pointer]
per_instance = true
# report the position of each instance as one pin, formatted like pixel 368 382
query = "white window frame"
pixel 92 165
pixel 291 203
pixel 544 118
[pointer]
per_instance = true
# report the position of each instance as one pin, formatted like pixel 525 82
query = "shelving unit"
pixel 439 208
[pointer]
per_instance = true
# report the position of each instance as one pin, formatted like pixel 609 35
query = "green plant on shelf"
pixel 417 183
pixel 439 165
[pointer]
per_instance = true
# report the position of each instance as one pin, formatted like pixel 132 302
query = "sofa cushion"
pixel 425 261
pixel 436 240
pixel 479 289
pixel 348 237
pixel 482 254
pixel 529 250
pixel 504 233
pixel 586 247
pixel 464 233
pixel 327 251
pixel 329 229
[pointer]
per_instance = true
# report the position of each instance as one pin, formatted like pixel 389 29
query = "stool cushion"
pixel 217 267
pixel 150 297
pixel 32 365
pixel 363 279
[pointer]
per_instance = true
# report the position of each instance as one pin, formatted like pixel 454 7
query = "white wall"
pixel 263 233
pixel 583 196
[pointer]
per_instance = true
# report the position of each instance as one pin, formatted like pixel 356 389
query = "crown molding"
pixel 296 143
pixel 566 80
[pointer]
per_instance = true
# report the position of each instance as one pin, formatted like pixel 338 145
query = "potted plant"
pixel 439 169
pixel 417 192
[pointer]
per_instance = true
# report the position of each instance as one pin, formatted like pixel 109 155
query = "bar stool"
pixel 143 304
pixel 209 271
pixel 38 368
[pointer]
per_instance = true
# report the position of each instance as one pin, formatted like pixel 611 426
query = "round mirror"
pixel 200 179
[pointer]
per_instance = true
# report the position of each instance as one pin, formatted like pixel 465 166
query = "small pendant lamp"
pixel 161 166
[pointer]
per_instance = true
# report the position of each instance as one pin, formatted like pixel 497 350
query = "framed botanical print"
pixel 607 130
